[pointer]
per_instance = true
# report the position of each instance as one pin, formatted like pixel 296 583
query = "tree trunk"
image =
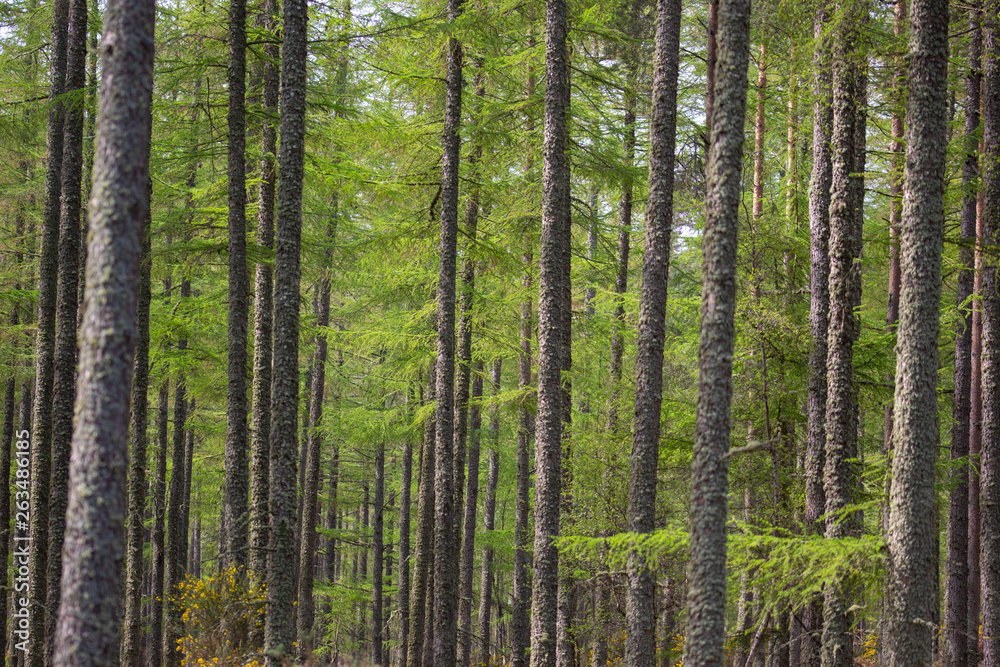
pixel 554 322
pixel 957 585
pixel 404 549
pixel 424 559
pixel 89 627
pixel 519 630
pixel 489 516
pixel 45 340
pixel 236 482
pixel 975 442
pixel 819 313
pixel 279 630
pixel 378 548
pixel 640 645
pixel 137 456
pixel 67 299
pixel 469 516
pixel 990 467
pixel 6 449
pixel 176 538
pixel 159 510
pixel 840 473
pixel 260 444
pixel 310 492
pixel 703 645
pixel 912 538
pixel 445 539
pixel 467 520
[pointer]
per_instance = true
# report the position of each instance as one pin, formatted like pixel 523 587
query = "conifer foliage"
pixel 454 187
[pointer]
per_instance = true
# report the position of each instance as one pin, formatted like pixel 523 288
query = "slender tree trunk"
pixel 640 644
pixel 520 637
pixel 131 654
pixel 957 586
pixel 445 539
pixel 467 521
pixel 519 630
pixel 155 641
pixel 703 645
pixel 45 340
pixel 990 467
pixel 89 625
pixel 236 482
pixel 975 444
pixel 489 516
pixel 6 448
pixel 310 492
pixel 422 565
pixel 378 549
pixel 279 630
pixel 404 549
pixel 840 474
pixel 176 538
pixel 67 299
pixel 469 517
pixel 912 538
pixel 553 328
pixel 819 313
pixel 260 444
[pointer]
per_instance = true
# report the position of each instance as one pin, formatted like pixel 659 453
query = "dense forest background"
pixel 435 360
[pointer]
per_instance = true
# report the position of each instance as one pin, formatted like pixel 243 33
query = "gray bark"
pixel 89 626
pixel 703 645
pixel 912 536
pixel 990 464
pixel 465 638
pixel 279 627
pixel 132 645
pixel 489 516
pixel 236 464
pixel 424 558
pixel 640 644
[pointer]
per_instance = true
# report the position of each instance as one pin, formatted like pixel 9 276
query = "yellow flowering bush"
pixel 219 614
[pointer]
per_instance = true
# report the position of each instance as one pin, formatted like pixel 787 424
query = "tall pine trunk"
pixel 640 644
pixel 424 558
pixel 554 322
pixel 912 537
pixel 89 624
pixel 132 644
pixel 956 653
pixel 990 466
pixel 703 645
pixel 260 443
pixel 236 483
pixel 489 516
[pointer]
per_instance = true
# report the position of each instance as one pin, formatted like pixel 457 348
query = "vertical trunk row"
pixel 236 483
pixel 279 630
pixel 175 538
pixel 554 324
pixel 840 474
pixel 912 537
pixel 260 444
pixel 640 646
pixel 957 587
pixel 45 340
pixel 819 313
pixel 703 645
pixel 489 515
pixel 990 468
pixel 132 645
pixel 88 629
